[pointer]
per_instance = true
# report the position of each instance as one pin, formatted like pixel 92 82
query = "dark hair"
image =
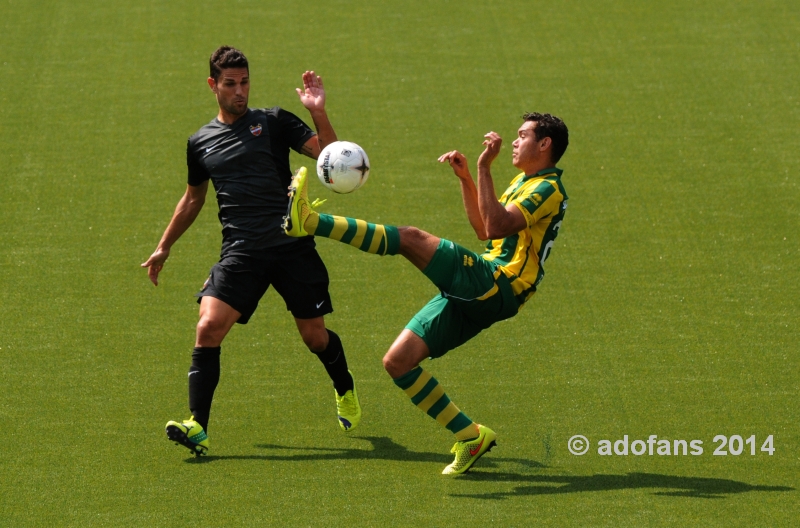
pixel 226 57
pixel 553 127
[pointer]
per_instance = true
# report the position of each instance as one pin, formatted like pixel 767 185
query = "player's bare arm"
pixel 313 98
pixel 499 221
pixel 185 214
pixel 469 193
pixel 311 148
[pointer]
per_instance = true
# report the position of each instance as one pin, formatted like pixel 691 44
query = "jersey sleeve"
pixel 293 130
pixel 197 171
pixel 538 202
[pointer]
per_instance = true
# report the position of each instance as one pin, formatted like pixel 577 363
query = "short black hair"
pixel 226 57
pixel 553 127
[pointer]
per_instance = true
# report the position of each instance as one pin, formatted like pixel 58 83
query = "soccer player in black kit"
pixel 245 154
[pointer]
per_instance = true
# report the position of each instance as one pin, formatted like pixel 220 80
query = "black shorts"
pixel 296 271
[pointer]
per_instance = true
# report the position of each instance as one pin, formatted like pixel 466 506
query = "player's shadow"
pixel 383 448
pixel 665 485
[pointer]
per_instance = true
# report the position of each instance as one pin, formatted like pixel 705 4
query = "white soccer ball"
pixel 343 167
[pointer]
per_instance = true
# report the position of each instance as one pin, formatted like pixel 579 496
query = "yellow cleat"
pixel 299 208
pixel 348 409
pixel 469 451
pixel 189 434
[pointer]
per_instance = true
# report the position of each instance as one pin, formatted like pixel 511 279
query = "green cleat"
pixel 469 451
pixel 348 409
pixel 189 434
pixel 299 207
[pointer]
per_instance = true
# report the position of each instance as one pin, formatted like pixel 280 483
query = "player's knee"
pixel 412 234
pixel 210 332
pixel 388 364
pixel 394 365
pixel 315 341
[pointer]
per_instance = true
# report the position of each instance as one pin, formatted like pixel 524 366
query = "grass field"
pixel 670 307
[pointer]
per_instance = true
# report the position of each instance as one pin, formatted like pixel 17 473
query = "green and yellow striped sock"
pixel 371 238
pixel 426 393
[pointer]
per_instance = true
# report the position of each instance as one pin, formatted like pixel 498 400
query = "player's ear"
pixel 212 84
pixel 545 144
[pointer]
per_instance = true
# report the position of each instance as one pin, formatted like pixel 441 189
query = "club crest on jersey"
pixel 256 129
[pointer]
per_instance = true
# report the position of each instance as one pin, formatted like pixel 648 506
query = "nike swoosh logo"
pixel 474 450
pixel 194 372
pixel 320 304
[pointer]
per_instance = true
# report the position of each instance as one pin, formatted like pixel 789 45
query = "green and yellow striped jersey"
pixel 543 202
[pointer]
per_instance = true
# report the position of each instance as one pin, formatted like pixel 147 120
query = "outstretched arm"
pixel 185 213
pixel 313 98
pixel 469 192
pixel 500 221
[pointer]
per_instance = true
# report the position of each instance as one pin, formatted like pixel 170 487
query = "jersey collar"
pixel 545 172
pixel 239 121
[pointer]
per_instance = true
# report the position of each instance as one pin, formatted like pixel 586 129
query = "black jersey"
pixel 248 163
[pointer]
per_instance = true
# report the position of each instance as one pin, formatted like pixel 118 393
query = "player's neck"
pixel 228 118
pixel 537 166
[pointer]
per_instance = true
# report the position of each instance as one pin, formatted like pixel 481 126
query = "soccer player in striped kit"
pixel 476 290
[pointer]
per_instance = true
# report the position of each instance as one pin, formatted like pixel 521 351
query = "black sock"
pixel 335 364
pixel 203 379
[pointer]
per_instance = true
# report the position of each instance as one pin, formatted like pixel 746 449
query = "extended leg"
pixel 414 244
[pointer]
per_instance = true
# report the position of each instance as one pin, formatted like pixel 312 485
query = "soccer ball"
pixel 343 167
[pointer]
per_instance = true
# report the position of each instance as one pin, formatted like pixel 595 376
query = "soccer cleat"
pixel 468 451
pixel 299 209
pixel 348 409
pixel 189 434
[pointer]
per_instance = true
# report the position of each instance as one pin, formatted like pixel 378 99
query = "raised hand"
pixel 492 145
pixel 313 93
pixel 458 162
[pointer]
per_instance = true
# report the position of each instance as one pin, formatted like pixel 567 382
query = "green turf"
pixel 670 305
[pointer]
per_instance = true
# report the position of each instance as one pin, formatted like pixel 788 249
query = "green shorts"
pixel 474 296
